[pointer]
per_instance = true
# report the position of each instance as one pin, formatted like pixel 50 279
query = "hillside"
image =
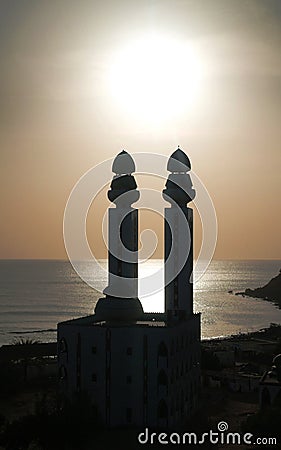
pixel 271 291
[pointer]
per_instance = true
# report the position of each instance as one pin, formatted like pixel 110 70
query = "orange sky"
pixel 58 118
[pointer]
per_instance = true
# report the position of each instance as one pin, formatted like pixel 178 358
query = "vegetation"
pixel 209 361
pixel 9 379
pixel 266 423
pixel 51 428
pixel 22 341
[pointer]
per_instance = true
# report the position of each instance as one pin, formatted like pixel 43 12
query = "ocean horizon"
pixel 36 294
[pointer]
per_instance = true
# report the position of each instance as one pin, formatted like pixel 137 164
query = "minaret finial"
pixel 123 164
pixel 179 185
pixel 123 188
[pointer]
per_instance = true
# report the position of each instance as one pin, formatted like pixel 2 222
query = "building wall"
pixel 135 374
pixel 268 393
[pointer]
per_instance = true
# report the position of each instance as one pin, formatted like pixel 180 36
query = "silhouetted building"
pixel 270 385
pixel 139 368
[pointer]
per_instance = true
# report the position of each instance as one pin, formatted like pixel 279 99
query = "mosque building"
pixel 139 368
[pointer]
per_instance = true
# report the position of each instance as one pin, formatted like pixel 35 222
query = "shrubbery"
pixel 68 428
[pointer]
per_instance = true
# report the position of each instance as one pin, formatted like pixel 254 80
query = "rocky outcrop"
pixel 271 291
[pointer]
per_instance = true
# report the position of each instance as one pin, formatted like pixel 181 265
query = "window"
pixel 162 410
pixel 94 377
pixel 162 378
pixel 265 398
pixel 162 349
pixel 182 404
pixel 94 350
pixel 62 346
pixel 162 352
pixel 129 379
pixel 129 350
pixel 129 415
pixel 62 373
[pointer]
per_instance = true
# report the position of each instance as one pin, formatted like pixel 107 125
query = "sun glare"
pixel 155 77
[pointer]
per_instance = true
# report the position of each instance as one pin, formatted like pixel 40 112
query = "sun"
pixel 155 77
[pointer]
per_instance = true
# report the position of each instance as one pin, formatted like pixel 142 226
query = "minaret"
pixel 178 239
pixel 121 302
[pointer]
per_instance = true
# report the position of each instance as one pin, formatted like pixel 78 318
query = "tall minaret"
pixel 178 239
pixel 121 302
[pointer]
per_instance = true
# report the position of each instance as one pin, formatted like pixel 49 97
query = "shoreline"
pixel 273 330
pixel 270 292
pixel 265 332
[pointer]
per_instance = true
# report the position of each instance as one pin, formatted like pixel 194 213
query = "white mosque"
pixel 139 369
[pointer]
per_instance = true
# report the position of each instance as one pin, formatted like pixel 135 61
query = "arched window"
pixel 182 372
pixel 265 398
pixel 182 403
pixel 191 397
pixel 172 348
pixel 162 349
pixel 182 342
pixel 277 400
pixel 62 346
pixel 162 410
pixel 177 403
pixel 162 352
pixel 62 373
pixel 162 380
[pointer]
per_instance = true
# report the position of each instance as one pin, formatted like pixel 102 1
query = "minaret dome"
pixel 179 187
pixel 179 162
pixel 123 188
pixel 123 164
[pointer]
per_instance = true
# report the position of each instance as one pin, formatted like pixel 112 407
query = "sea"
pixel 37 294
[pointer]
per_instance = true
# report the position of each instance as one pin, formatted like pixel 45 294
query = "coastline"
pixel 271 292
pixel 273 331
pixel 259 332
pixel 265 332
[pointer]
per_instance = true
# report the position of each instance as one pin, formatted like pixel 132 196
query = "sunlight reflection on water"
pixel 36 295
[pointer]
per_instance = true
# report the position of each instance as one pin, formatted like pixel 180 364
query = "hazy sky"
pixel 58 117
